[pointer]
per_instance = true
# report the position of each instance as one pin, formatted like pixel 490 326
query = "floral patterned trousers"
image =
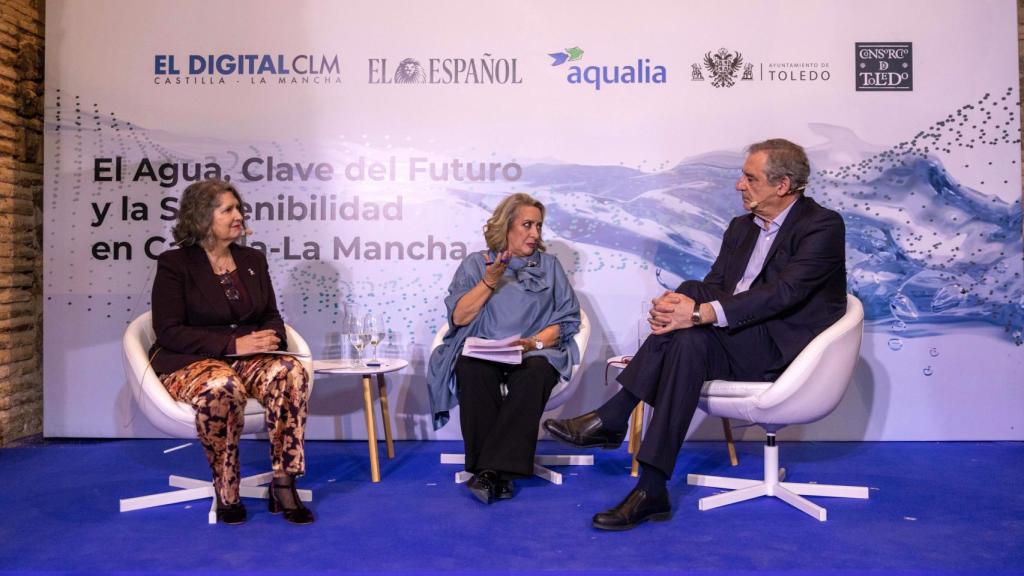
pixel 218 391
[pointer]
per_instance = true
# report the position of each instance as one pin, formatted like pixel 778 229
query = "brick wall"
pixel 21 185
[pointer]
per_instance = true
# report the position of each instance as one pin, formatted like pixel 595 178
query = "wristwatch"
pixel 538 344
pixel 695 317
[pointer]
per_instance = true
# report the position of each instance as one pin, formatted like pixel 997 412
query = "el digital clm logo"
pixel 885 66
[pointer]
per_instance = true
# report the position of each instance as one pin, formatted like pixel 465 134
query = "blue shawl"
pixel 533 294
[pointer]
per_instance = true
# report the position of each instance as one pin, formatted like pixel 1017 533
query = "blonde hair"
pixel 500 222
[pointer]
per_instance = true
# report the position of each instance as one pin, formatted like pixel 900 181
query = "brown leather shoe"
pixel 636 508
pixel 585 431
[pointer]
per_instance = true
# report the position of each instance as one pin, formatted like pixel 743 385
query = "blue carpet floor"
pixel 934 508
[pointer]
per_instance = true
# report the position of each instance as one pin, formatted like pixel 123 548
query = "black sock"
pixel 614 413
pixel 652 480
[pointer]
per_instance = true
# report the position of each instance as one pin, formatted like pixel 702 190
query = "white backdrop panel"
pixel 612 114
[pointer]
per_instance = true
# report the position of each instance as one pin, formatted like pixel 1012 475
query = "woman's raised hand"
pixel 495 269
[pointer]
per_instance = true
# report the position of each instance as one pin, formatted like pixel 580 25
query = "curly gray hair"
pixel 784 159
pixel 195 211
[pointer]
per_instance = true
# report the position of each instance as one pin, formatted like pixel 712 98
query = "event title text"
pixel 269 169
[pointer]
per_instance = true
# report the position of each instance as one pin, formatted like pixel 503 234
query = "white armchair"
pixel 178 419
pixel 559 395
pixel 808 390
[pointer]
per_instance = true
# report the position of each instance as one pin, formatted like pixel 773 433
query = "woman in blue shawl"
pixel 512 289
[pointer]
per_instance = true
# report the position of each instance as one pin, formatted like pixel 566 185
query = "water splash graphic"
pixel 924 251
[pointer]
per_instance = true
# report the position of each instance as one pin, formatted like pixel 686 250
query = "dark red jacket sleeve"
pixel 177 329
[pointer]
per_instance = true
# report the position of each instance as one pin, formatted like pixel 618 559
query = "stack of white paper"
pixel 494 350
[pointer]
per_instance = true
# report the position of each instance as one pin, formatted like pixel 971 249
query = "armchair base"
pixel 791 493
pixel 539 465
pixel 193 489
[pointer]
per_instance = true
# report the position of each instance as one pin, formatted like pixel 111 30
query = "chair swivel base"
pixel 539 463
pixel 791 493
pixel 194 489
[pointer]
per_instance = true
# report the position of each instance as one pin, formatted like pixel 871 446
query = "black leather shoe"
pixel 231 513
pixel 586 431
pixel 484 486
pixel 505 490
pixel 284 498
pixel 636 508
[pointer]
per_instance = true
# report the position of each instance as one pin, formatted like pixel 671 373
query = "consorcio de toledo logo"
pixel 597 76
pixel 884 66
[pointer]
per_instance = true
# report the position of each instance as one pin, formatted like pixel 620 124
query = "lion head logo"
pixel 410 72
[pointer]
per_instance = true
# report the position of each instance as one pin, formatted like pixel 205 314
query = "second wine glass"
pixel 374 326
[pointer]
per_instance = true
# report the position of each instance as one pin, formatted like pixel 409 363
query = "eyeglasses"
pixel 228 284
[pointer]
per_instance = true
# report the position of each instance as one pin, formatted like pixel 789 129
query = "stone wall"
pixel 21 186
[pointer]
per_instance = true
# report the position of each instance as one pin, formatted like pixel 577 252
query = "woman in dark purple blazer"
pixel 215 317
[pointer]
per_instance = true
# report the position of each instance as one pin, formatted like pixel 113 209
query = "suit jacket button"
pixel 233 326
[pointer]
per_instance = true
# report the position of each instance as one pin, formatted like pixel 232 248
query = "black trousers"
pixel 500 434
pixel 669 370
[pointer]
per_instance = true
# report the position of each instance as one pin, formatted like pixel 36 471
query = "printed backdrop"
pixel 372 139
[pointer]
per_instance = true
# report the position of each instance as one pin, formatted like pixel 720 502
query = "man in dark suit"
pixel 779 281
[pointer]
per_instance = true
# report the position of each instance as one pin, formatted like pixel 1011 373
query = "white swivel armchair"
pixel 808 390
pixel 178 419
pixel 561 392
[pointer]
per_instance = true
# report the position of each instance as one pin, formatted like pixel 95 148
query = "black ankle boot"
pixel 231 513
pixel 284 498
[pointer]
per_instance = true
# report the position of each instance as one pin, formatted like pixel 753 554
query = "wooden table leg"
pixel 634 438
pixel 727 428
pixel 371 430
pixel 385 415
pixel 633 422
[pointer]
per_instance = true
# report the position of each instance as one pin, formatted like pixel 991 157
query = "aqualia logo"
pixel 643 72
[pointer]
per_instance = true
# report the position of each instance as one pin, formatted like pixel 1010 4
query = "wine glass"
pixel 373 324
pixel 356 337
